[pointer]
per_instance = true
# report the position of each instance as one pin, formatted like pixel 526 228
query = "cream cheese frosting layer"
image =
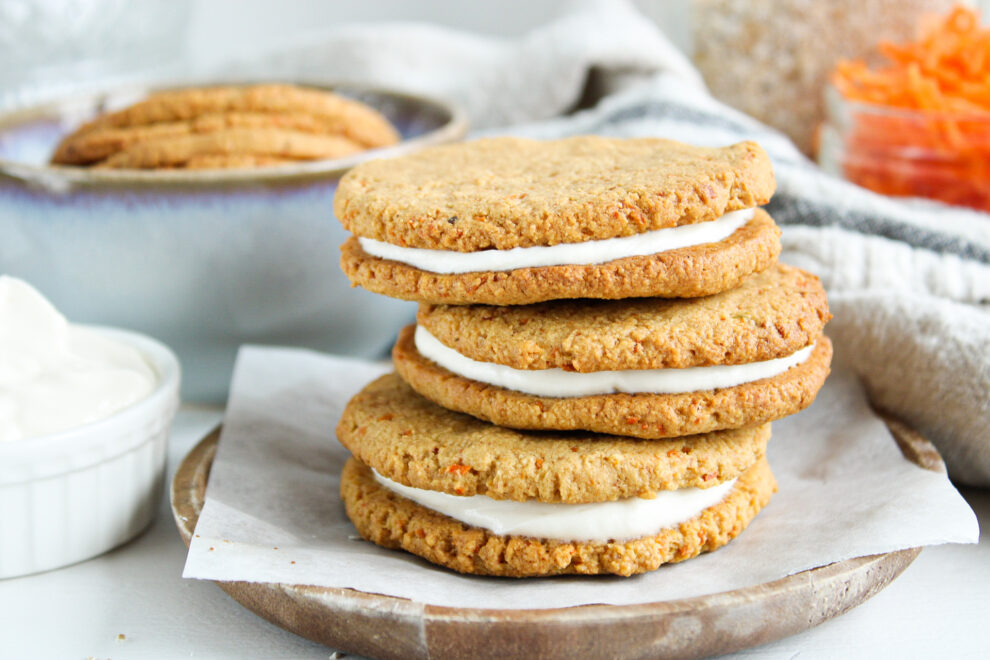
pixel 559 383
pixel 449 262
pixel 620 520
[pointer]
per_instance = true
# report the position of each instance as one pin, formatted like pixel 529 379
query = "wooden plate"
pixel 389 627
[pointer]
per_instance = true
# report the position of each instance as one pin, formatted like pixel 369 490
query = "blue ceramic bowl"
pixel 204 261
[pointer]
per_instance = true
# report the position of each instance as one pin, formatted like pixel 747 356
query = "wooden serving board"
pixel 388 627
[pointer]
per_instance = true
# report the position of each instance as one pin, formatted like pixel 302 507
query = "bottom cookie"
pixel 393 521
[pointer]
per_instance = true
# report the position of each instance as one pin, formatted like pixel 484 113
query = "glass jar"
pixel 908 153
pixel 772 58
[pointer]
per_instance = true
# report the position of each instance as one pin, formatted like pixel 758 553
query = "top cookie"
pixel 504 193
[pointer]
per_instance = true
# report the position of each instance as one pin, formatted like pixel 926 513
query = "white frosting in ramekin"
pixel 586 253
pixel 56 376
pixel 559 383
pixel 620 520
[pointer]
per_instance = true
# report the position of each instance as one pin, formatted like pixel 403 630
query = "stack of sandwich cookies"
pixel 567 403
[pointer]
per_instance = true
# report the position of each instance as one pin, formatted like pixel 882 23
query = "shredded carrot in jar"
pixel 920 124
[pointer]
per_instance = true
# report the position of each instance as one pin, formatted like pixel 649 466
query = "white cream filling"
pixel 586 253
pixel 560 383
pixel 620 520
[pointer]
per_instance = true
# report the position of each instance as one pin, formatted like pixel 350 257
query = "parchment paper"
pixel 273 513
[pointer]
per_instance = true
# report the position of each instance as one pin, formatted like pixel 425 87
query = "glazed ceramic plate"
pixel 388 627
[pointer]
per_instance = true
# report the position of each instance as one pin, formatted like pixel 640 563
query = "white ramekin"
pixel 69 496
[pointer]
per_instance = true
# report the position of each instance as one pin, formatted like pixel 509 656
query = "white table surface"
pixel 939 607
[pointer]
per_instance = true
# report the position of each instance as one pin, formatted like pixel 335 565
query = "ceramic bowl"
pixel 204 260
pixel 72 495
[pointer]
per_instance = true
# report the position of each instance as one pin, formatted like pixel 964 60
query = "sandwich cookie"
pixel 487 500
pixel 509 221
pixel 647 368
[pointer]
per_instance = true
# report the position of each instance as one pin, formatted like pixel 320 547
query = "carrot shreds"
pixel 920 122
